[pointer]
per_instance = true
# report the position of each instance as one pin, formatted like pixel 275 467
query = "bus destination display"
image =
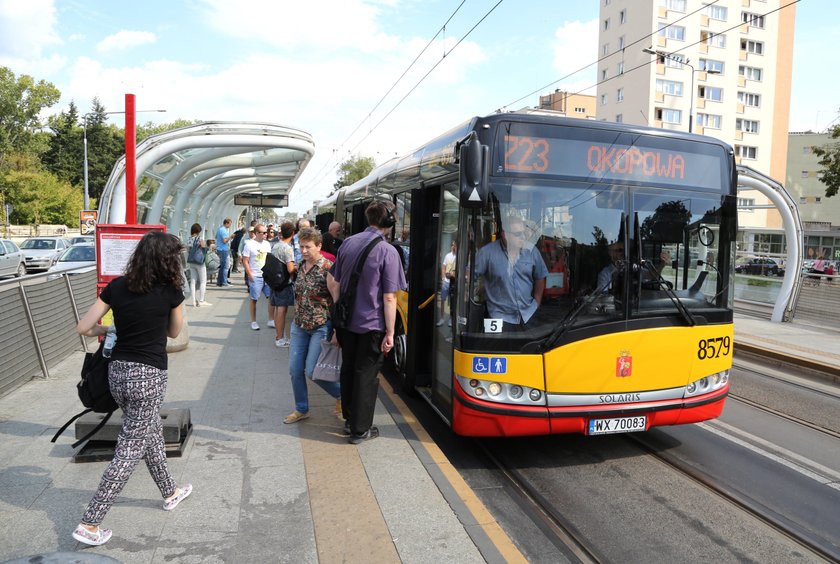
pixel 597 161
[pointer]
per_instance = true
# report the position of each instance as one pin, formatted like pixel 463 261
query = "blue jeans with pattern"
pixel 139 390
pixel 304 350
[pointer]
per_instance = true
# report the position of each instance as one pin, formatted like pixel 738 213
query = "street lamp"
pixel 671 56
pixel 84 129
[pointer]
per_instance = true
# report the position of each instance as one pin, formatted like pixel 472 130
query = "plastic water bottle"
pixel 110 341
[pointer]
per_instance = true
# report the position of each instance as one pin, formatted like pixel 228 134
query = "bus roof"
pixel 437 156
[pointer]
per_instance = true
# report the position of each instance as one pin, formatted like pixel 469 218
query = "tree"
pixel 148 129
pixel 40 197
pixel 64 156
pixel 353 169
pixel 21 101
pixel 830 161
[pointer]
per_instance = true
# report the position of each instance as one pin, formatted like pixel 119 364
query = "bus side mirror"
pixel 473 177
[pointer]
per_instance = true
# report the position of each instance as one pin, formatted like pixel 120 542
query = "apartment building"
pixel 573 105
pixel 820 215
pixel 721 69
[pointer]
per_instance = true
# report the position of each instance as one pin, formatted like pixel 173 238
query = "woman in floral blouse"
pixel 311 324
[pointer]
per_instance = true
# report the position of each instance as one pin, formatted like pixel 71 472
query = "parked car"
pixel 76 239
pixel 11 259
pixel 763 266
pixel 77 256
pixel 41 252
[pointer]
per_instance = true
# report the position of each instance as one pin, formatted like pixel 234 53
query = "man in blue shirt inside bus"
pixel 514 275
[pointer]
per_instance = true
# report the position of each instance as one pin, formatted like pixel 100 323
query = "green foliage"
pixel 830 161
pixel 148 129
pixel 21 101
pixel 353 169
pixel 39 197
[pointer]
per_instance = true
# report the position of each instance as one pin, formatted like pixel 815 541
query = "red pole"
pixel 130 161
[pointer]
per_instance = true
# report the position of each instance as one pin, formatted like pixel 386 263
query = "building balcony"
pixel 660 68
pixel 739 108
pixel 742 81
pixel 701 76
pixel 663 12
pixel 744 28
pixel 701 103
pixel 661 41
pixel 745 3
pixel 704 20
pixel 698 129
pixel 703 48
pixel 739 136
pixel 742 55
pixel 659 96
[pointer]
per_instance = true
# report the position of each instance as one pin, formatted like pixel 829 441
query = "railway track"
pixel 803 538
pixel 558 529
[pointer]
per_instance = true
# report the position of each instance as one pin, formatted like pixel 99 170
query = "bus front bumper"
pixel 478 418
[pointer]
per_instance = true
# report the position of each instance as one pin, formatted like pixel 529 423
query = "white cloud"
pixel 26 29
pixel 576 44
pixel 323 25
pixel 125 39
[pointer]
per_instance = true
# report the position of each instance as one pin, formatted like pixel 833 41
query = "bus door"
pixel 445 314
pixel 422 272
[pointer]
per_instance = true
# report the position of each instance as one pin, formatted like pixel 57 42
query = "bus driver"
pixel 514 275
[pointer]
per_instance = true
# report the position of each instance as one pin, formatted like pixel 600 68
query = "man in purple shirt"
pixel 369 335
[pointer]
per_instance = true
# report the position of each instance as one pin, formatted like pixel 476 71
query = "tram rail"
pixel 816 546
pixel 558 529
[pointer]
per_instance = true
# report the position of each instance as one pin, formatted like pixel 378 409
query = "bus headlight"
pixel 501 392
pixel 706 384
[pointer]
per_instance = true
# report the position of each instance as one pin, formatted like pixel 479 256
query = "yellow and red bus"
pixel 626 325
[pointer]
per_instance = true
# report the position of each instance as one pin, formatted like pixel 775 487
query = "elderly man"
pixel 331 240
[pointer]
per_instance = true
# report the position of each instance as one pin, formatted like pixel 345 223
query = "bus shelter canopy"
pixel 192 174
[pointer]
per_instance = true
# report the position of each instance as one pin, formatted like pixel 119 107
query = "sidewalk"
pixel 263 491
pixel 797 343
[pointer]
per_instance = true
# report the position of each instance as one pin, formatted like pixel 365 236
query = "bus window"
pixel 539 255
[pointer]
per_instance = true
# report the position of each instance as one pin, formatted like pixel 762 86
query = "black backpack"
pixel 94 392
pixel 275 273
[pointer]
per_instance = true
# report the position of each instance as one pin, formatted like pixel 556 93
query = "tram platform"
pixel 265 491
pixel 812 347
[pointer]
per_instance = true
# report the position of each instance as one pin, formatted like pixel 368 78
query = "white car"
pixel 41 252
pixel 77 256
pixel 76 239
pixel 11 259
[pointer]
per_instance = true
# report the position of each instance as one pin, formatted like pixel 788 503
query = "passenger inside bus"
pixel 513 274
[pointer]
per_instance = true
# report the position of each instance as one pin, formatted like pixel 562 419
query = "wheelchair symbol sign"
pixel 489 365
pixel 481 365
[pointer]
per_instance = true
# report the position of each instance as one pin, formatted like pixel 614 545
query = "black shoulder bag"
pixel 94 393
pixel 343 307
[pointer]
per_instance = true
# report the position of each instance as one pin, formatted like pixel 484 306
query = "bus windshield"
pixel 545 253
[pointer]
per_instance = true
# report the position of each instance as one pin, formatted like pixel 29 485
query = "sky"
pixel 364 77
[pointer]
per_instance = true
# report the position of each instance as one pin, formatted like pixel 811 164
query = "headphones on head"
pixel 389 220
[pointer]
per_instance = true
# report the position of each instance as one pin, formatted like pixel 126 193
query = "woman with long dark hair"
pixel 146 303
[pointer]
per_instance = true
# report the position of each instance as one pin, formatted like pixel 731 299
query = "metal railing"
pixel 40 313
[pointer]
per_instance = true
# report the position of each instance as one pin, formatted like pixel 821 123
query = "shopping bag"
pixel 328 366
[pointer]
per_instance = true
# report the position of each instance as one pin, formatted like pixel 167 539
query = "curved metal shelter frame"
pixel 191 175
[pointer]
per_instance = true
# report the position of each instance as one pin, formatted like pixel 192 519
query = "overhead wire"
pixel 394 85
pixel 677 51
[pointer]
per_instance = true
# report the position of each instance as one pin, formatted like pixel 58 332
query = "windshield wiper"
pixel 663 284
pixel 552 339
